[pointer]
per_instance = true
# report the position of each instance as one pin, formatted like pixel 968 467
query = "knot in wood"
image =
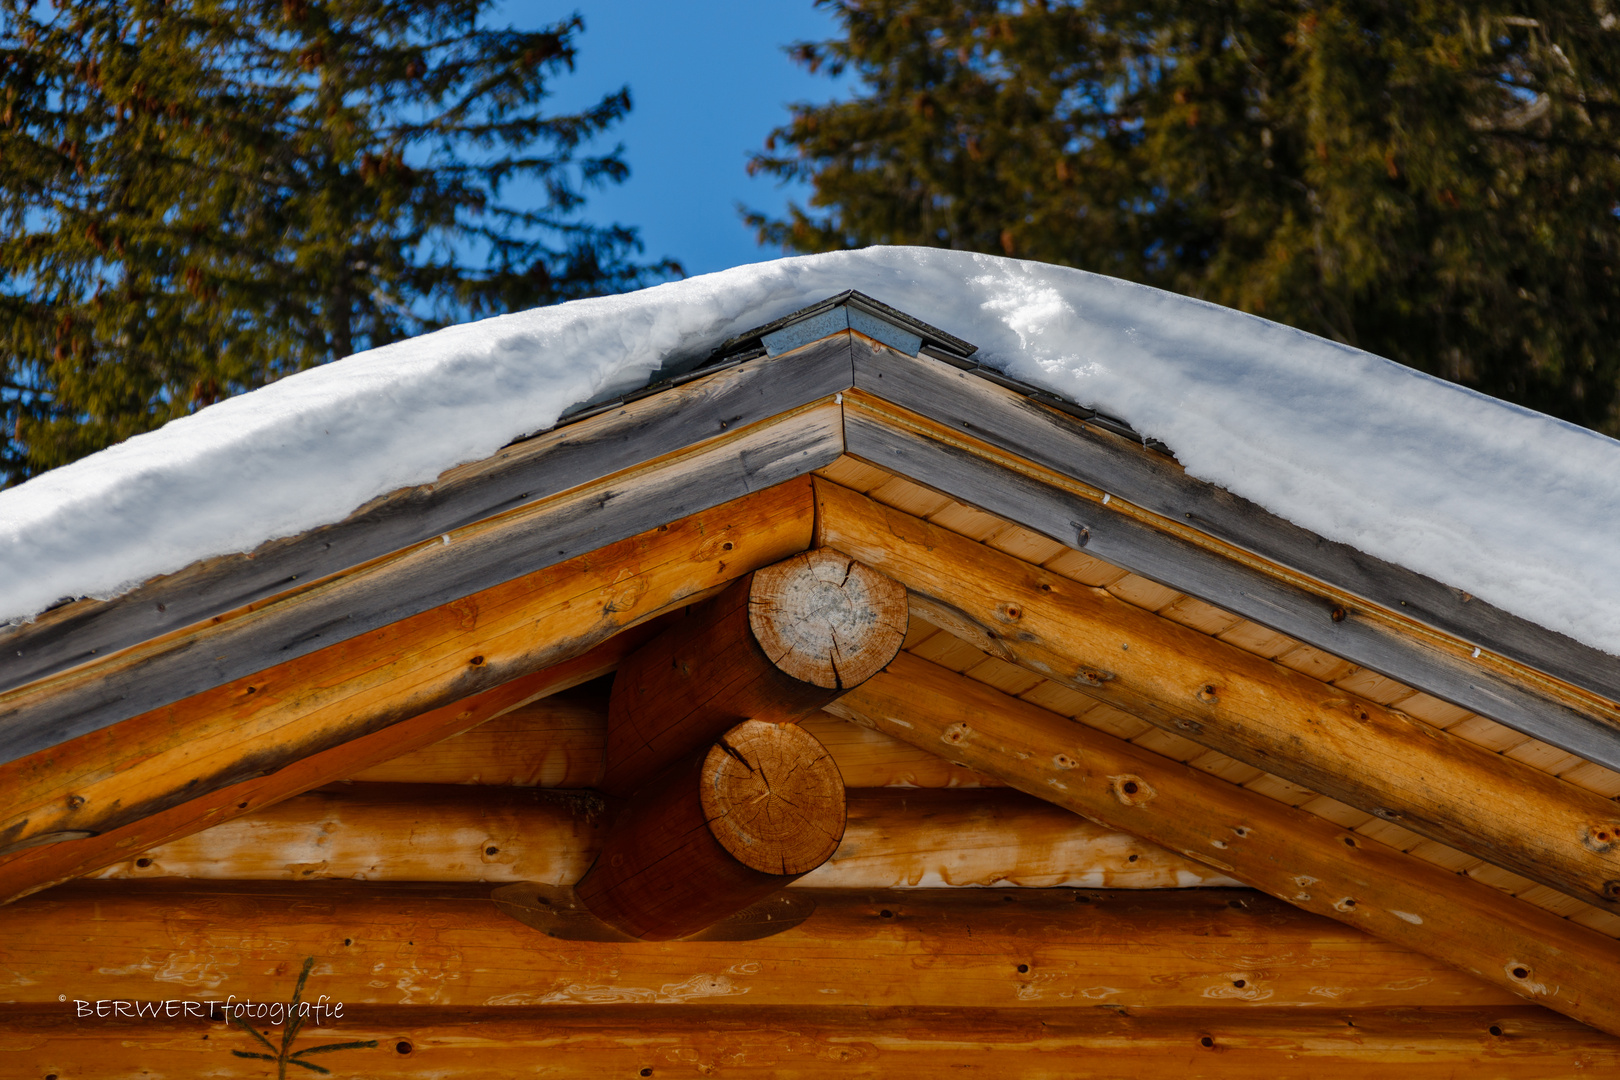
pixel 773 797
pixel 1131 790
pixel 826 619
pixel 1601 838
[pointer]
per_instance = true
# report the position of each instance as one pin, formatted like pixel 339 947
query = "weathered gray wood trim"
pixel 1011 422
pixel 519 475
pixel 1228 584
pixel 432 575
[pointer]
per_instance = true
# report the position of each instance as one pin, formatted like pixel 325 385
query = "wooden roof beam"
pixel 717 832
pixel 894 838
pixel 1025 458
pixel 396 944
pixel 558 743
pixel 743 1041
pixel 1291 854
pixel 729 800
pixel 778 645
pixel 1259 712
pixel 179 759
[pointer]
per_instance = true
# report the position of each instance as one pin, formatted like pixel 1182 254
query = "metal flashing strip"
pixel 842 317
pixel 848 310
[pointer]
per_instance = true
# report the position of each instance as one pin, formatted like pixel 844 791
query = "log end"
pixel 773 798
pixel 827 620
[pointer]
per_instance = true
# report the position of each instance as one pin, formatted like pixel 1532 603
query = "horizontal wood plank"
pixel 258 725
pixel 629 436
pixel 894 838
pixel 742 1040
pixel 448 945
pixel 557 743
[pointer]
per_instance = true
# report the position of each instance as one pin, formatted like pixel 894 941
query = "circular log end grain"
pixel 773 797
pixel 826 619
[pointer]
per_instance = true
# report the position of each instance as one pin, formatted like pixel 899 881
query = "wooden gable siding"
pixel 558 743
pixel 1289 854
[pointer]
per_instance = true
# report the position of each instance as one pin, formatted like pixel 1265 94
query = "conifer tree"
pixel 198 196
pixel 1434 181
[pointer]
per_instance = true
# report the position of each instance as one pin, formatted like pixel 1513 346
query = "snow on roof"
pixel 1514 507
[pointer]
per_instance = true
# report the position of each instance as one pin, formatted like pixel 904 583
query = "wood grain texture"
pixel 37 868
pixel 741 1040
pixel 355 608
pixel 1294 604
pixel 1259 712
pixel 422 832
pixel 558 743
pixel 258 725
pixel 686 687
pixel 961 402
pixel 717 832
pixel 776 646
pixel 1300 608
pixel 555 742
pixel 632 435
pixel 447 945
pixel 773 797
pixel 1291 854
pixel 827 620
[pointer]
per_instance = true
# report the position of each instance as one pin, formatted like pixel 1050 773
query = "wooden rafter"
pixel 629 437
pixel 255 726
pixel 776 646
pixel 1293 855
pixel 477 560
pixel 1268 716
pixel 973 416
pixel 37 868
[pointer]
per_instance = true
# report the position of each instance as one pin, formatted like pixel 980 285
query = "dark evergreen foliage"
pixel 1433 181
pixel 198 196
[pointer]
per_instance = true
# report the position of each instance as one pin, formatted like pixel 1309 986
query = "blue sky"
pixel 709 80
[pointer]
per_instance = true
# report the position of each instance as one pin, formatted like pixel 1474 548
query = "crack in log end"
pixel 826 619
pixel 734 752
